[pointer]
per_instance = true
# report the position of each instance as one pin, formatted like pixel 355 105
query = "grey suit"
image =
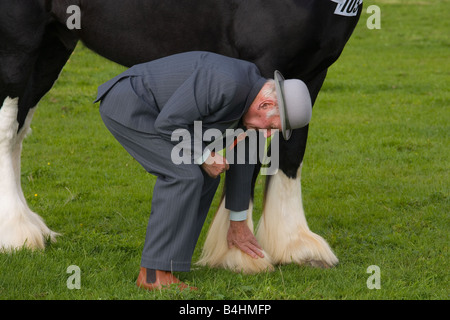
pixel 144 105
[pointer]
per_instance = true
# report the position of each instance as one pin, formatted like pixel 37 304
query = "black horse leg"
pixel 27 76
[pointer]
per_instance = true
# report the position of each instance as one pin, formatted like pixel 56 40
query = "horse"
pixel 300 38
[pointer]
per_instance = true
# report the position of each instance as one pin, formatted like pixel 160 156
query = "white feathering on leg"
pixel 19 226
pixel 217 254
pixel 283 231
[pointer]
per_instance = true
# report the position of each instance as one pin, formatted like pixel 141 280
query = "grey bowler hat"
pixel 294 103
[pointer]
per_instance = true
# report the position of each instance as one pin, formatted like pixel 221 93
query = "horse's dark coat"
pixel 301 38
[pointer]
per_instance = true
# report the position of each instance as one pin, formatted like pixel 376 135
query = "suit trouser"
pixel 180 203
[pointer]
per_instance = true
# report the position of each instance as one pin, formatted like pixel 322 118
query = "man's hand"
pixel 215 165
pixel 240 236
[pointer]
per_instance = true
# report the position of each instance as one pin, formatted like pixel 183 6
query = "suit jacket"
pixel 171 93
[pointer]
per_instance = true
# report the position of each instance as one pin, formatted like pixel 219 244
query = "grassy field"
pixel 375 179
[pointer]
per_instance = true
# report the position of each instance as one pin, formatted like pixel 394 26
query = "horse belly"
pixel 134 32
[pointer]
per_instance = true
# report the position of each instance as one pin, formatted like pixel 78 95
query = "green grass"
pixel 375 179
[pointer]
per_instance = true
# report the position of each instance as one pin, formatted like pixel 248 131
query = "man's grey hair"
pixel 269 91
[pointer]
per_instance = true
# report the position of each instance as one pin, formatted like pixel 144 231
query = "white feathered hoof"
pixel 19 226
pixel 216 253
pixel 283 231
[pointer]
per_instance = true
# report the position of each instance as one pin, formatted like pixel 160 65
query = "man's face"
pixel 257 119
